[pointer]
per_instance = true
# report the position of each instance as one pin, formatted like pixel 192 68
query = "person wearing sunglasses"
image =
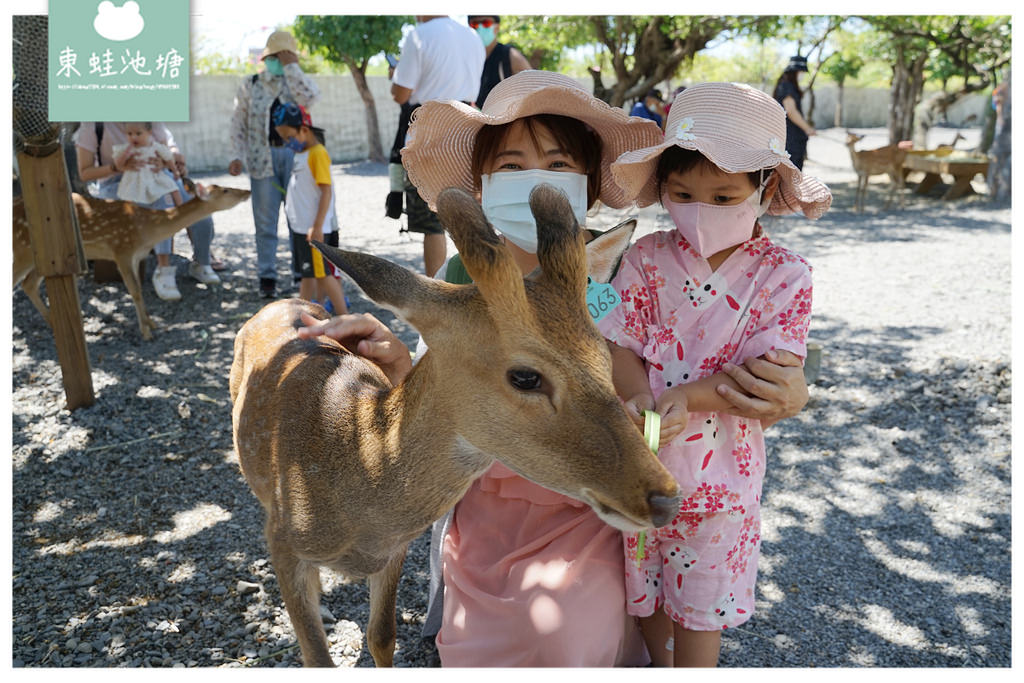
pixel 502 60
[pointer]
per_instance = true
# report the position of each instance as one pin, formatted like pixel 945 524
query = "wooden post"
pixel 57 246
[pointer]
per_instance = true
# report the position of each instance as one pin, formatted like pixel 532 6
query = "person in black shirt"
pixel 502 60
pixel 790 96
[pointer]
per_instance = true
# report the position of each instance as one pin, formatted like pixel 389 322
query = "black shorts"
pixel 307 260
pixel 421 218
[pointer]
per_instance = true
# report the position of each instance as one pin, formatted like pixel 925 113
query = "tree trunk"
pixel 600 91
pixel 907 84
pixel 838 120
pixel 1000 168
pixel 358 71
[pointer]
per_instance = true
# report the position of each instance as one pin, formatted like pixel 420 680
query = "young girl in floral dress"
pixel 712 291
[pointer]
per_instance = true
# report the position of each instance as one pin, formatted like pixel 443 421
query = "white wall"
pixel 206 145
pixel 205 140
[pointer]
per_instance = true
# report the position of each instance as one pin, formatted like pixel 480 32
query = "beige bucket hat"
pixel 279 41
pixel 442 134
pixel 739 129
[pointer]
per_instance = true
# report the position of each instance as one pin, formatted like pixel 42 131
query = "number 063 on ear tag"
pixel 601 299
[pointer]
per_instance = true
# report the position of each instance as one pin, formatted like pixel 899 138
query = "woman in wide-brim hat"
pixel 535 126
pixel 498 610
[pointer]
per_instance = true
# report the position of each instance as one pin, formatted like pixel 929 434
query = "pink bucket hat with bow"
pixel 739 129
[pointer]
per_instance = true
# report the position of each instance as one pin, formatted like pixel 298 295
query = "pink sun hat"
pixel 739 129
pixel 442 134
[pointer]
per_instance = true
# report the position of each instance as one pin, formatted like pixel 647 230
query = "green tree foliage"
pixel 840 66
pixel 352 41
pixel 544 39
pixel 970 49
pixel 639 51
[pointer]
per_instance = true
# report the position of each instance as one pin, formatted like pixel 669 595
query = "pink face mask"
pixel 710 228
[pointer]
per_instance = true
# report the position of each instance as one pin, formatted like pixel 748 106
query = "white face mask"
pixel 505 198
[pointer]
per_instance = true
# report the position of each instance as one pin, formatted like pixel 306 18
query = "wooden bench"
pixel 963 170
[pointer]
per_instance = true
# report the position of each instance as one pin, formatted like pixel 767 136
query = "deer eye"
pixel 524 379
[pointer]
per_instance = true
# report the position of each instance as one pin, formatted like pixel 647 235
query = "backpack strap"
pixel 456 272
pixel 506 61
pixel 99 142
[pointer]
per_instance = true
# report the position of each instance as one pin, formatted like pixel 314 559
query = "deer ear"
pixel 487 261
pixel 604 253
pixel 414 297
pixel 560 249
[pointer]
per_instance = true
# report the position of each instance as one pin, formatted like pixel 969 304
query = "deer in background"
pixel 869 162
pixel 952 145
pixel 121 232
pixel 350 469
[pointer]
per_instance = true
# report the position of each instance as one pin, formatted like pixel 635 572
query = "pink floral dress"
pixel 685 322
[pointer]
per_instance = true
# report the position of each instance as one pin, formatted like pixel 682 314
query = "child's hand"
pixel 315 233
pixel 672 405
pixel 636 406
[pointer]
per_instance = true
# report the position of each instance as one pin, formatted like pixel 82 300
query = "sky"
pixel 225 29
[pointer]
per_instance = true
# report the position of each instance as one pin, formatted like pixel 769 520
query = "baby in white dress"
pixel 148 182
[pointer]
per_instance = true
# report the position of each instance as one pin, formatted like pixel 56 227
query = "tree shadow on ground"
pixel 886 530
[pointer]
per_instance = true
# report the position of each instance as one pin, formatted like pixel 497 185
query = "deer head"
pixel 527 372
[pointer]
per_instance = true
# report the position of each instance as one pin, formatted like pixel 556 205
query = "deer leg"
pixel 300 588
pixel 128 266
pixel 30 285
pixel 901 185
pixel 380 632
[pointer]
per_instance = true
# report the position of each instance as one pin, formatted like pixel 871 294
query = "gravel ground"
pixel 886 523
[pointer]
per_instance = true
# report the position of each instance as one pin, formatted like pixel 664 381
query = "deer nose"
pixel 663 508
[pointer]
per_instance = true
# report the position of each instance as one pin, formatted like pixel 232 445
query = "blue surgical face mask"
pixel 487 35
pixel 274 66
pixel 294 145
pixel 505 198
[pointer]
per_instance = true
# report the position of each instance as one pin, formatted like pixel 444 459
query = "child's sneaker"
pixel 164 283
pixel 203 273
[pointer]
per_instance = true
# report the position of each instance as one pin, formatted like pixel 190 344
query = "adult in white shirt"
pixel 441 60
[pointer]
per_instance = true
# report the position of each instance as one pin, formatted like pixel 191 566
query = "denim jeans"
pixel 202 230
pixel 267 200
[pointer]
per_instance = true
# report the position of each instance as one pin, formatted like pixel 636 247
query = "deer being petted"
pixel 869 162
pixel 121 232
pixel 350 469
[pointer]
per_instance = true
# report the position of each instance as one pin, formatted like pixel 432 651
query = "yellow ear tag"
pixel 652 435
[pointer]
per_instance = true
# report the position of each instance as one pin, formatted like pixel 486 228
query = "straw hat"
pixel 442 134
pixel 279 41
pixel 739 129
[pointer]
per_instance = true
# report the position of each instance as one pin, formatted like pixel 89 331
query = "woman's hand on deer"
pixel 775 384
pixel 365 336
